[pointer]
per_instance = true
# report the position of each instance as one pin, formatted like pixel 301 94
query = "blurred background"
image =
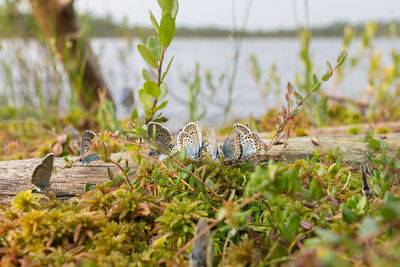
pixel 232 60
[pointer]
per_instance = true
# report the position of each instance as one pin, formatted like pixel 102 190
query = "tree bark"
pixel 392 126
pixel 14 175
pixel 59 21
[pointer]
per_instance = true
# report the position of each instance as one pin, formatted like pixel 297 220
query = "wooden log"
pixel 14 175
pixel 392 126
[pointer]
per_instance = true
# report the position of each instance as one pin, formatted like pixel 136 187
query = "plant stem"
pixel 126 177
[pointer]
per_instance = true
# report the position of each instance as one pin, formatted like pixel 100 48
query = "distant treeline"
pixel 24 25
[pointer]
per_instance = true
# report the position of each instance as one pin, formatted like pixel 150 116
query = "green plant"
pixel 154 89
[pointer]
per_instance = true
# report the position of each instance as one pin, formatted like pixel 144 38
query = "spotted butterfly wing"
pixel 190 142
pixel 212 143
pixel 192 130
pixel 231 147
pixel 42 172
pixel 251 144
pixel 242 130
pixel 87 139
pixel 162 135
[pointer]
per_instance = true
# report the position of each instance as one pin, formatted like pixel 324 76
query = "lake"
pixel 122 66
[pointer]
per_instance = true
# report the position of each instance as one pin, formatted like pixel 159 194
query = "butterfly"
pixel 231 148
pixel 162 136
pixel 87 139
pixel 212 142
pixel 203 250
pixel 41 174
pixel 250 141
pixel 191 138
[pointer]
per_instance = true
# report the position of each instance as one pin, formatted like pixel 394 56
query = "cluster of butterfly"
pixel 42 172
pixel 242 143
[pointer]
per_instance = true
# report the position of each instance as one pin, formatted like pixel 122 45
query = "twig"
pixel 345 185
pixel 195 176
pixel 125 176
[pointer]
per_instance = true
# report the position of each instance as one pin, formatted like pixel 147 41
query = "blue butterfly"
pixel 86 142
pixel 203 249
pixel 41 174
pixel 212 143
pixel 231 148
pixel 249 141
pixel 162 136
pixel 191 138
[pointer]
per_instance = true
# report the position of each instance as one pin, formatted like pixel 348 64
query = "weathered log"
pixel 14 175
pixel 391 126
pixel 59 21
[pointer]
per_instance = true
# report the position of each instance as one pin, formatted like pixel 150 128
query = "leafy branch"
pixel 288 113
pixel 154 89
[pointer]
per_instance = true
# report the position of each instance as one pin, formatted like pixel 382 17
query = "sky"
pixel 264 14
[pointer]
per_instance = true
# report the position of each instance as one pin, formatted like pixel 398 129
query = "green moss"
pixel 381 130
pixel 353 130
pixel 300 132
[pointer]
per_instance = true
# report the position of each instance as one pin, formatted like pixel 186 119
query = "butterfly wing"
pixel 42 172
pixel 242 130
pixel 198 256
pixel 212 142
pixel 87 139
pixel 251 145
pixel 199 133
pixel 189 141
pixel 231 147
pixel 191 129
pixel 162 134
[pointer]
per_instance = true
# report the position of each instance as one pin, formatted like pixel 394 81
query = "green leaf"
pixel 142 133
pixel 169 6
pixel 316 189
pixel 147 76
pixel 169 65
pixel 341 58
pixel 148 56
pixel 328 235
pixel 362 203
pixel 154 21
pixel 182 154
pixel 297 95
pixel 161 106
pixel 294 222
pixel 151 88
pixel 145 98
pixel 368 227
pixel 87 187
pixel 316 86
pixel 210 183
pixel 174 8
pixel 326 77
pixel 134 114
pixel 164 90
pixel 159 242
pixel 155 46
pixel 167 30
pixel 329 67
pixel 348 215
pixel 315 78
pixel 295 111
